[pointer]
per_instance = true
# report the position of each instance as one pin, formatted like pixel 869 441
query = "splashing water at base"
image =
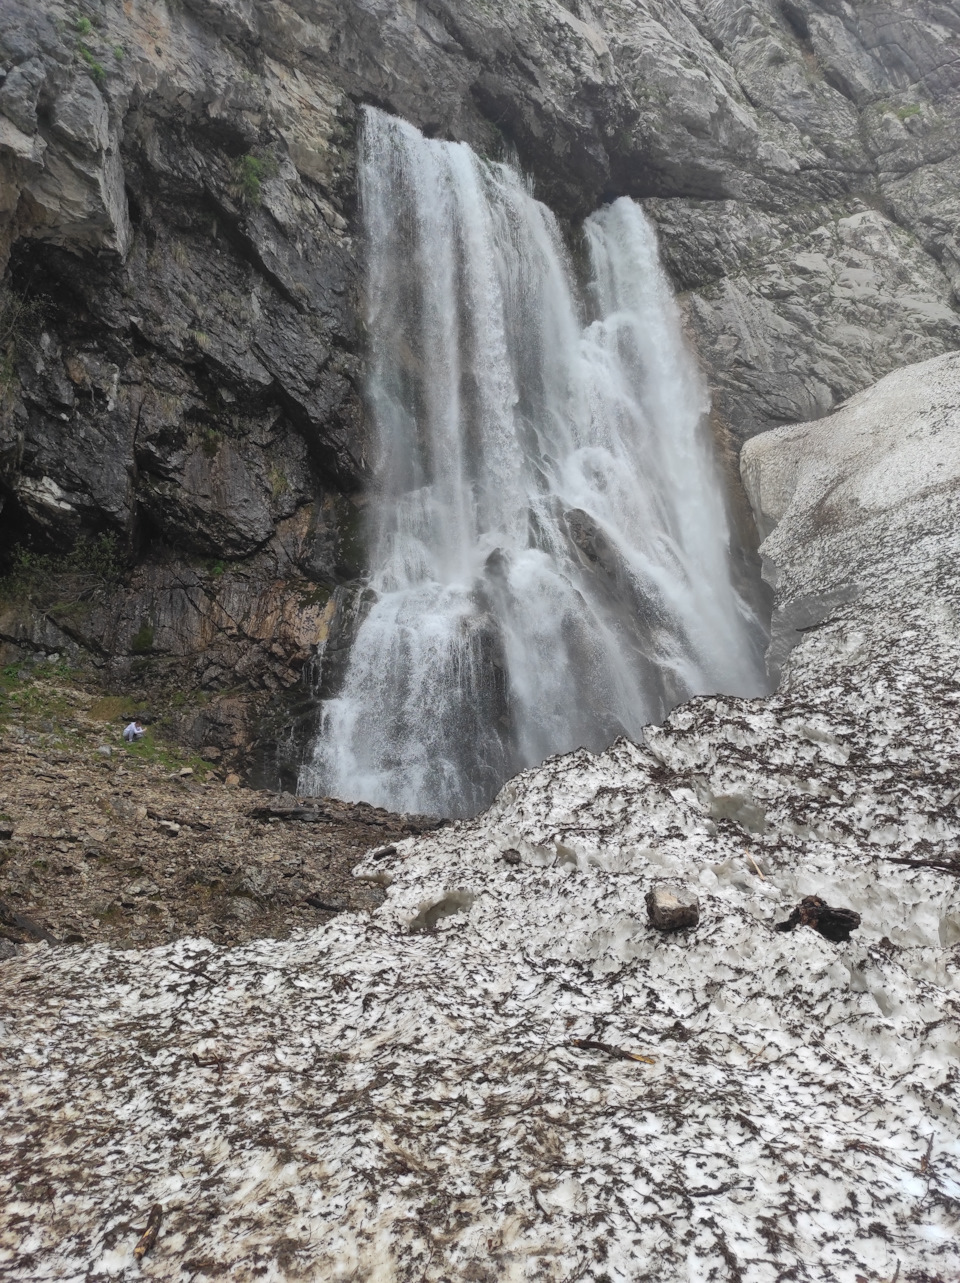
pixel 549 552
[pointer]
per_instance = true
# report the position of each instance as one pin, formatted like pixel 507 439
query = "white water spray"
pixel 548 549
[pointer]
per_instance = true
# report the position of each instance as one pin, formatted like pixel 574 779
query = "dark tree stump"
pixel 833 924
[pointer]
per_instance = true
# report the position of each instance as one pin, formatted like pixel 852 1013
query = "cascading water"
pixel 549 552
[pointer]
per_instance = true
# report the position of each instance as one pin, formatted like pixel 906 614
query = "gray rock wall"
pixel 182 359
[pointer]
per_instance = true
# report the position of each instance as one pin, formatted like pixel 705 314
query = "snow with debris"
pixel 400 1095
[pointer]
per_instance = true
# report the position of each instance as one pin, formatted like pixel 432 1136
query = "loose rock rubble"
pixel 135 852
pixel 505 1072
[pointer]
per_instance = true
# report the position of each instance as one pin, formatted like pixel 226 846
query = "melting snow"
pixel 379 1102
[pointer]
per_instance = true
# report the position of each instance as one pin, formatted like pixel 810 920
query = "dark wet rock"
pixel 832 924
pixel 19 928
pixel 326 904
pixel 383 853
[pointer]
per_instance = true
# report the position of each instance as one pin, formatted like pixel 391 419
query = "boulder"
pixel 672 908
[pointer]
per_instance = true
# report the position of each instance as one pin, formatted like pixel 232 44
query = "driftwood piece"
pixel 149 1236
pixel 326 904
pixel 212 1061
pixel 950 864
pixel 383 852
pixel 593 1044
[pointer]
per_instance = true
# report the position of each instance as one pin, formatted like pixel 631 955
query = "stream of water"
pixel 549 554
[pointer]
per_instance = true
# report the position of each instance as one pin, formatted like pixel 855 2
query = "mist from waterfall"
pixel 549 555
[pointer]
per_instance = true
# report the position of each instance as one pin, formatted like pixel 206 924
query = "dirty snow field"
pixel 400 1095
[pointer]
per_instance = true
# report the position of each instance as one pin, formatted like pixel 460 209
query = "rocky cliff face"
pixel 182 351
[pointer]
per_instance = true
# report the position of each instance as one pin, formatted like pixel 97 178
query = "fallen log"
pixel 149 1235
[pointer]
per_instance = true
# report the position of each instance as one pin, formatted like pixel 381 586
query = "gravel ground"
pixel 135 848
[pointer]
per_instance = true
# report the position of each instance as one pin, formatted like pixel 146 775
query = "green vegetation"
pixel 118 52
pixel 20 317
pixel 249 173
pixel 316 595
pixel 25 693
pixel 211 439
pixel 96 69
pixel 93 561
pixel 83 26
pixel 142 642
pixel 44 700
pixel 279 485
pixel 351 535
pixel 905 112
pixel 110 708
pixel 151 751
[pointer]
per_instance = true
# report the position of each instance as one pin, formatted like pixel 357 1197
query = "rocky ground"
pixel 505 1072
pixel 133 847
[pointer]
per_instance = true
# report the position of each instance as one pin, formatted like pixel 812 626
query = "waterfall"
pixel 547 540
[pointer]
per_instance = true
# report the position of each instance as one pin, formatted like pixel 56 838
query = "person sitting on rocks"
pixel 133 732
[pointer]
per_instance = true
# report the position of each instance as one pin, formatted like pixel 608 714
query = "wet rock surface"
pixel 505 1071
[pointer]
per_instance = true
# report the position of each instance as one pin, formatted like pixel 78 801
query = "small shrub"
pixel 118 52
pixel 94 561
pixel 84 26
pixel 142 641
pixel 249 173
pixel 279 485
pixel 211 439
pixel 20 317
pixel 812 69
pixel 96 69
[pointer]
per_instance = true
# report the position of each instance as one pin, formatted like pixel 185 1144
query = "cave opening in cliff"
pixel 551 560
